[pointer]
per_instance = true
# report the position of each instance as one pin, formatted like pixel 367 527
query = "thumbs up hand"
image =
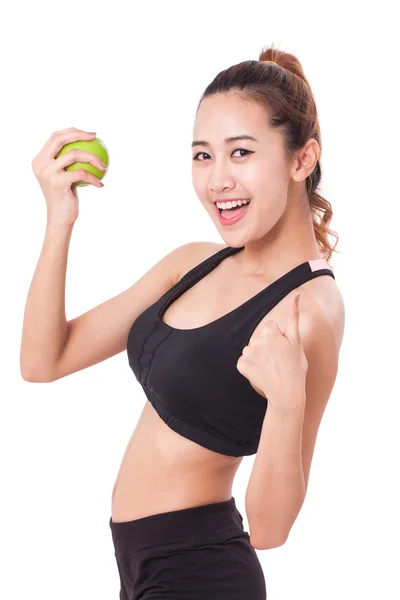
pixel 274 361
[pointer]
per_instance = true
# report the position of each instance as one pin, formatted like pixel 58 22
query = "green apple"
pixel 96 147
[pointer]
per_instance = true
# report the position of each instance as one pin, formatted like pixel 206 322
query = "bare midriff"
pixel 163 471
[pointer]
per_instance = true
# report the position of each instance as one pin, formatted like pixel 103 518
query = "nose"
pixel 220 179
pixel 217 188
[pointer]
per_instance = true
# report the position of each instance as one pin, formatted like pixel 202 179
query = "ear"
pixel 305 160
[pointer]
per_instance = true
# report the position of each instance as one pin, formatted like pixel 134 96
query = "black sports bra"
pixel 190 375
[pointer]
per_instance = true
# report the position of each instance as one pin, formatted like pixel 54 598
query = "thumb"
pixel 292 325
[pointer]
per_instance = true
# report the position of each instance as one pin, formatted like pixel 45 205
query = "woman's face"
pixel 221 169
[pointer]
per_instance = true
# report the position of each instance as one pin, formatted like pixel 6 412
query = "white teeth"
pixel 225 205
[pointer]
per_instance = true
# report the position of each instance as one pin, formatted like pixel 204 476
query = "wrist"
pixel 288 399
pixel 56 228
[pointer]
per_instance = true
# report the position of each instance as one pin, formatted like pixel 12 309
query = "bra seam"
pixel 154 353
pixel 187 421
pixel 142 349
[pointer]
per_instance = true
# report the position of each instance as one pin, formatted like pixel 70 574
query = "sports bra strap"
pixel 209 263
pixel 286 284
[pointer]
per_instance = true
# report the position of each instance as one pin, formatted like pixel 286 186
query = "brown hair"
pixel 285 91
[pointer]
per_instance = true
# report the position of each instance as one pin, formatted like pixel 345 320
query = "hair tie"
pixel 271 61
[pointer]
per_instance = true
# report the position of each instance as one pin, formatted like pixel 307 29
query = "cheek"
pixel 200 183
pixel 273 192
pixel 270 192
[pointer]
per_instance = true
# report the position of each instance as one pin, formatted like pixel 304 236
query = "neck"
pixel 290 242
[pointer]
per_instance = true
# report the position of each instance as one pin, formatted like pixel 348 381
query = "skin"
pixel 161 470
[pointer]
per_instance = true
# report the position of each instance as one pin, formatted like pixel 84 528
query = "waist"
pixel 152 487
pixel 187 526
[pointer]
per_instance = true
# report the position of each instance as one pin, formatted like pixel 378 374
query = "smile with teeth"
pixel 227 205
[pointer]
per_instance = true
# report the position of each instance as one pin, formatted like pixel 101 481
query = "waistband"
pixel 185 526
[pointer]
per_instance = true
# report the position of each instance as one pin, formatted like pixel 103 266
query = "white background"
pixel 134 74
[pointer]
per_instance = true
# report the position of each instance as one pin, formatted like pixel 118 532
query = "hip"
pixel 197 552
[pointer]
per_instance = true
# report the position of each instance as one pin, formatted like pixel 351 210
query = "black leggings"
pixel 198 553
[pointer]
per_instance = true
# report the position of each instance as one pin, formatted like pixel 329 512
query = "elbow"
pixel 35 377
pixel 268 542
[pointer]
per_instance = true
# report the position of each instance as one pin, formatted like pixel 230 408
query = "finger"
pixel 74 155
pixel 292 331
pixel 270 327
pixel 60 138
pixel 54 134
pixel 81 175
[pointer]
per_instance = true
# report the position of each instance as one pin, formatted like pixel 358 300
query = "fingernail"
pixel 105 166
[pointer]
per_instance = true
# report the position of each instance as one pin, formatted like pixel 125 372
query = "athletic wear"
pixel 198 553
pixel 190 375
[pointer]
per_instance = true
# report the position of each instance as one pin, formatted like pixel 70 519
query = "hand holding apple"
pixel 62 165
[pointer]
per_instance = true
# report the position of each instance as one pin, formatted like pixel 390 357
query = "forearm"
pixel 276 488
pixel 45 328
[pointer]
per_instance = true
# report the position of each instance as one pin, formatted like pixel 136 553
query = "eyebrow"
pixel 227 140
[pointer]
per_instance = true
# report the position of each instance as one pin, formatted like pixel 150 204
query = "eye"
pixel 237 150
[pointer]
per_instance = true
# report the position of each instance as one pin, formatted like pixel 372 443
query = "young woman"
pixel 230 364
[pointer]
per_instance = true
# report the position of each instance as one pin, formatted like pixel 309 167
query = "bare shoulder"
pixel 322 308
pixel 194 254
